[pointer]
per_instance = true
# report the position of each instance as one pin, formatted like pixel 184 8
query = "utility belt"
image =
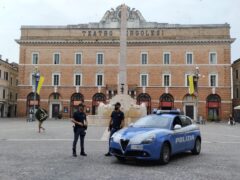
pixel 81 129
pixel 115 128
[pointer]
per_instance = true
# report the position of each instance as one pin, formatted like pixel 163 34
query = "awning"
pixel 237 107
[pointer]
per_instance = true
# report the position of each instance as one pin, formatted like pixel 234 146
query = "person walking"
pixel 41 115
pixel 79 128
pixel 116 123
pixel 231 120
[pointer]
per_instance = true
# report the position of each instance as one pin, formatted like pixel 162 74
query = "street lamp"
pixel 195 81
pixel 36 76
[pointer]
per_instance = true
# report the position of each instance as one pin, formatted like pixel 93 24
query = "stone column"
pixel 123 51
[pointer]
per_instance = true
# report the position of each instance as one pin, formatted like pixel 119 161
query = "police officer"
pixel 116 122
pixel 79 128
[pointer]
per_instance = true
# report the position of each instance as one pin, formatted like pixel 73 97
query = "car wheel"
pixel 197 147
pixel 165 153
pixel 121 159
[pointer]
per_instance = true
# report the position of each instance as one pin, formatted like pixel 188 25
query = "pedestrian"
pixel 30 118
pixel 231 120
pixel 41 116
pixel 79 129
pixel 116 122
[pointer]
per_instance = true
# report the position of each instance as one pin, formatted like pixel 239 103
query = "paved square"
pixel 26 154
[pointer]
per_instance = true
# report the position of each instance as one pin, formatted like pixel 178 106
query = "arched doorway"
pixel 2 110
pixel 31 102
pixel 76 99
pixel 213 107
pixel 55 105
pixel 146 99
pixel 166 101
pixel 190 106
pixel 97 98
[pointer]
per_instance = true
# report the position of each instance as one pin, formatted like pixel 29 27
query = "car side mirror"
pixel 177 126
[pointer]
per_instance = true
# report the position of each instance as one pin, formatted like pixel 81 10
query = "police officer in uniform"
pixel 116 122
pixel 79 128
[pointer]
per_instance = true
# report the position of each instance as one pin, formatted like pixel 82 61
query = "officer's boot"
pixel 74 154
pixel 82 152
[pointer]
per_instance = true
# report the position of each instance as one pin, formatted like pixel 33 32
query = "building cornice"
pixel 129 42
pixel 96 25
pixel 128 65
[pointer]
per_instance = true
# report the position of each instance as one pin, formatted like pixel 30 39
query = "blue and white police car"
pixel 156 137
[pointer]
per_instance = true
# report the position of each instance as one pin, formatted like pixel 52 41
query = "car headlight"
pixel 149 139
pixel 116 137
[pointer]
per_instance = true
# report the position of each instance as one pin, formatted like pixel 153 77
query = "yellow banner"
pixel 191 85
pixel 41 80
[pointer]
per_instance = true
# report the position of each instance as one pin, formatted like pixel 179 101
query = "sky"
pixel 15 13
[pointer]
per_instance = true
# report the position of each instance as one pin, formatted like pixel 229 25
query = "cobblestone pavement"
pixel 26 154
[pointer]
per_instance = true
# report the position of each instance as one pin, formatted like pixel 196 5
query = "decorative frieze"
pixel 129 42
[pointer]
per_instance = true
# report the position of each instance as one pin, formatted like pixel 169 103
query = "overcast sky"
pixel 14 13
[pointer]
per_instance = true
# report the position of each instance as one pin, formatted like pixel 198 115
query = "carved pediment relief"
pixel 114 15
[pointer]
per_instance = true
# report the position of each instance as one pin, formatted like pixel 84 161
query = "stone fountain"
pixel 131 110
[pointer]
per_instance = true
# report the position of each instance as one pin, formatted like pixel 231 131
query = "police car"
pixel 156 137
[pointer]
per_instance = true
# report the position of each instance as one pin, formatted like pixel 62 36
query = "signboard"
pixel 213 104
pixel 166 104
pixel 32 102
pixel 76 103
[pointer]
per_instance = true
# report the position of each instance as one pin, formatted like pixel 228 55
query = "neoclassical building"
pixel 8 88
pixel 80 64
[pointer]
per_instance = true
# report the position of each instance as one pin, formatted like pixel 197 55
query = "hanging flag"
pixel 41 80
pixel 191 84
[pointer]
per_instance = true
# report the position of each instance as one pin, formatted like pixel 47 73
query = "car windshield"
pixel 154 121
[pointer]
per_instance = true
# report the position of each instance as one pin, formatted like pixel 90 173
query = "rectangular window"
pixel 32 80
pixel 100 58
pixel 166 58
pixel 213 58
pixel 78 80
pixel 166 80
pixel 99 79
pixel 237 95
pixel 6 76
pixel 144 58
pixel 78 58
pixel 144 80
pixel 3 93
pixel 237 74
pixel 56 58
pixel 0 74
pixel 11 81
pixel 35 58
pixel 213 80
pixel 189 58
pixel 186 80
pixel 56 79
pixel 16 96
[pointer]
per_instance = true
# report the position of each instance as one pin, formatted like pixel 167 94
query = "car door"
pixel 178 136
pixel 189 132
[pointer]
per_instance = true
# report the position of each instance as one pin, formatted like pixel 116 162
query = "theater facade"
pixel 80 64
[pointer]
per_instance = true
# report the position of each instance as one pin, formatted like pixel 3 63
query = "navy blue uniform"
pixel 79 130
pixel 117 118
